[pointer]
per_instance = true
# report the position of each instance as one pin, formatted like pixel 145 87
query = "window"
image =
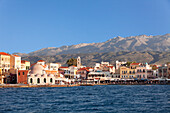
pixel 23 73
pixel 51 80
pixel 27 67
pixel 143 76
pixel 44 80
pixel 31 80
pixel 19 73
pixel 13 78
pixel 38 80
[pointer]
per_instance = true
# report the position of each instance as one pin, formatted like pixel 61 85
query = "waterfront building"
pixel 22 76
pixel 4 67
pixel 65 71
pixel 164 71
pixel 83 72
pixel 73 70
pixel 1 77
pixel 154 71
pixel 144 71
pixel 134 65
pixel 99 77
pixel 4 62
pixel 15 62
pixel 38 76
pixel 105 66
pixel 25 65
pixel 127 73
pixel 69 72
pixel 118 64
pixel 111 69
pixel 54 66
pixel 12 77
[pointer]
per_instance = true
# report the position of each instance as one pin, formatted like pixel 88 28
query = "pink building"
pixel 144 71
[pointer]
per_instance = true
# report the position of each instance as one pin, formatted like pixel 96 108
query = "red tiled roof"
pixel 134 63
pixel 73 66
pixel 23 61
pixel 3 53
pixel 16 55
pixel 89 68
pixel 63 67
pixel 110 66
pixel 23 70
pixel 40 61
pixel 33 64
pixel 83 69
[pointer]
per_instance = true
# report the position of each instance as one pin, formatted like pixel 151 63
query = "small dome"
pixel 37 69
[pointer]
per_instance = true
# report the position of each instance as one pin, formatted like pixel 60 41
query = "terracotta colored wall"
pixel 22 78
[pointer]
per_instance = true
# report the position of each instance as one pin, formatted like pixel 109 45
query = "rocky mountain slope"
pixel 133 43
pixel 90 59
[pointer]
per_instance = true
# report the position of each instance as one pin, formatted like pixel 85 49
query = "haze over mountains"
pixel 133 43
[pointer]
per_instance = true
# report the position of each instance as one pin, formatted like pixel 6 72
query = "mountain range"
pixel 133 43
pixel 142 48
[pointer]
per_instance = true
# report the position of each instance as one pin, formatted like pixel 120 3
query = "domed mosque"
pixel 37 69
pixel 38 76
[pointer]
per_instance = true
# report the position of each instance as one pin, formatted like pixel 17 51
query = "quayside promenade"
pixel 73 85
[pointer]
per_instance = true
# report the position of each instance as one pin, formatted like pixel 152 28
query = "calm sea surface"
pixel 111 98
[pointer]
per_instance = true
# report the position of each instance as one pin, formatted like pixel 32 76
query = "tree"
pixel 71 61
pixel 128 63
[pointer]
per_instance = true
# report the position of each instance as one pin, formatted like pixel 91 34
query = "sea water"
pixel 87 99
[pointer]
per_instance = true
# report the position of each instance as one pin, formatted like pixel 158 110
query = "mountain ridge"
pixel 116 44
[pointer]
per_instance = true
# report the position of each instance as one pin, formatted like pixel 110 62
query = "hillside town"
pixel 13 70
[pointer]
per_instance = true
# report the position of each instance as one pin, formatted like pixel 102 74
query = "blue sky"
pixel 29 25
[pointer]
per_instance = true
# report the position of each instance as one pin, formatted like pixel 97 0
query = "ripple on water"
pixel 111 98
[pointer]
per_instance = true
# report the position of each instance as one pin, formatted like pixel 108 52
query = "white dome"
pixel 37 69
